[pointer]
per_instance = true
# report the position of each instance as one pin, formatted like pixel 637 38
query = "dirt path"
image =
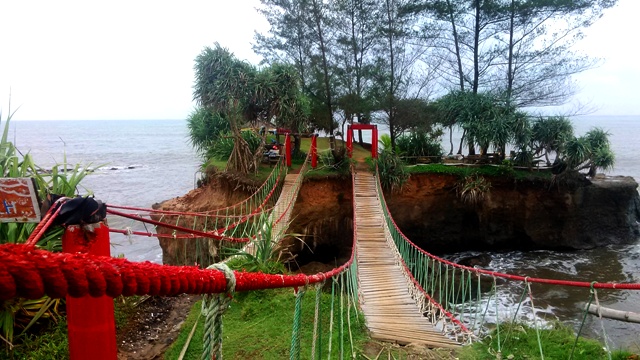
pixel 154 327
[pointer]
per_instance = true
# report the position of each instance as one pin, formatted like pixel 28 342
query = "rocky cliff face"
pixel 517 215
pixel 513 215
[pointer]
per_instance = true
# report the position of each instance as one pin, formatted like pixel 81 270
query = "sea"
pixel 142 162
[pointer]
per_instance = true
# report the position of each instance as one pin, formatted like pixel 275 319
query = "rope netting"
pixel 470 303
pixel 226 223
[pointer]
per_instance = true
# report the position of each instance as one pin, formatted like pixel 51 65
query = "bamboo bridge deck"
pixel 390 312
pixel 284 202
pixel 282 205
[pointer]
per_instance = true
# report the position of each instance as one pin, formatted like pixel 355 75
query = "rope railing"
pixel 280 215
pixel 228 223
pixel 468 297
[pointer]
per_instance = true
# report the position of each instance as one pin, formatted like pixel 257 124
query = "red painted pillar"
pixel 287 149
pixel 314 151
pixel 349 141
pixel 90 321
pixel 374 142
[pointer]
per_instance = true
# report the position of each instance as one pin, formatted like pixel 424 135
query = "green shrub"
pixel 221 148
pixel 419 143
pixel 336 161
pixel 391 170
pixel 473 188
pixel 205 127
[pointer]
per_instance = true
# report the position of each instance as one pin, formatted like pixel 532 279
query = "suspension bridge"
pixel 407 296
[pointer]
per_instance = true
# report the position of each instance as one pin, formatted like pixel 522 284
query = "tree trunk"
pixel 510 72
pixel 456 43
pixel 391 113
pixel 476 45
pixel 451 139
pixel 325 66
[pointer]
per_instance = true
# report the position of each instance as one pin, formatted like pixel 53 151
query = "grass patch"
pixel 49 343
pixel 258 325
pixel 485 170
pixel 522 343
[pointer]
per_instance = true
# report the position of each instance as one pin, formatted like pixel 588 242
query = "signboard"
pixel 18 200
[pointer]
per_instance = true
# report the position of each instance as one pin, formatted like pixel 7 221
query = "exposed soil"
pixel 154 327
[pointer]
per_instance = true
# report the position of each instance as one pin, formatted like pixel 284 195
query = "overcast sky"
pixel 79 60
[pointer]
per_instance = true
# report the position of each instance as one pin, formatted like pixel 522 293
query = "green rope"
pixel 349 303
pixel 333 283
pixel 604 332
pixel 213 307
pixel 535 319
pixel 294 353
pixel 316 351
pixel 584 318
pixel 513 321
pixel 341 316
pixel 433 281
pixel 452 291
pixel 495 293
pixel 478 302
pixel 463 291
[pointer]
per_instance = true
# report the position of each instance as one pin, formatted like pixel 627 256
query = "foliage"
pixel 222 148
pixel 385 60
pixel 18 313
pixel 419 143
pixel 268 254
pixel 251 331
pixel 522 343
pixel 299 35
pixel 591 151
pixel 549 135
pixel 415 115
pixel 486 119
pixel 49 343
pixel 206 127
pixel 391 171
pixel 506 168
pixel 241 94
pixel 473 188
pixel 385 141
pixel 486 171
pixel 335 161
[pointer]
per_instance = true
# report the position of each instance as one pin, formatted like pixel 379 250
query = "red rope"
pixel 44 224
pixel 30 273
pixel 204 213
pixel 192 233
pixel 179 228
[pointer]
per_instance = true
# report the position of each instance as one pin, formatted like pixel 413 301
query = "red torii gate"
pixel 374 138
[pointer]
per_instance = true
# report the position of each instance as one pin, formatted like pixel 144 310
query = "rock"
pixel 482 260
pixel 518 215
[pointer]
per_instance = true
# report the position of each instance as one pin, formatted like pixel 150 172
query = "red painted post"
pixel 349 141
pixel 314 151
pixel 90 321
pixel 374 142
pixel 287 149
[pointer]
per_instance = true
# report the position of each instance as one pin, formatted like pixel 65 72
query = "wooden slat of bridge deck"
pixel 390 312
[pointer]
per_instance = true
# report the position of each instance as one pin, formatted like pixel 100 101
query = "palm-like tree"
pixel 591 151
pixel 549 135
pixel 241 94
